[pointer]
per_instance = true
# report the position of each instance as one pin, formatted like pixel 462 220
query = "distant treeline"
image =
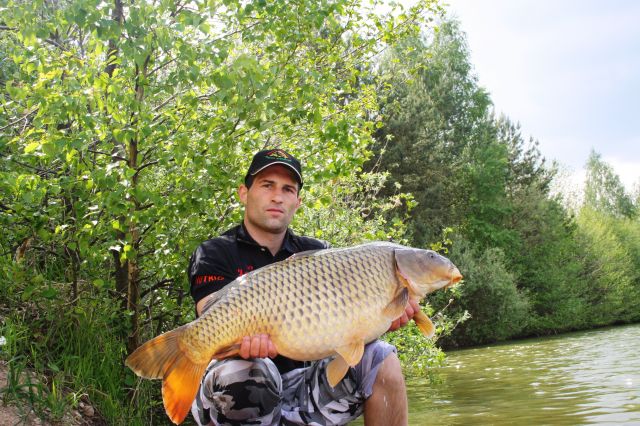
pixel 125 130
pixel 532 265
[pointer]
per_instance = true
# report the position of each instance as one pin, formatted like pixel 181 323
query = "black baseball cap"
pixel 270 157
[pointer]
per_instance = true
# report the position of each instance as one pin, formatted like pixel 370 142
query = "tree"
pixel 604 192
pixel 497 309
pixel 125 127
pixel 432 108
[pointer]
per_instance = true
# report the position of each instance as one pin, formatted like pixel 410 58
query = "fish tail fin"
pixel 179 388
pixel 164 357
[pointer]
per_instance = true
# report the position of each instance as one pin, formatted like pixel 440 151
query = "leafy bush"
pixel 497 309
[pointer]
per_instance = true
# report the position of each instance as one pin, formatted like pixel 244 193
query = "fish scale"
pixel 312 305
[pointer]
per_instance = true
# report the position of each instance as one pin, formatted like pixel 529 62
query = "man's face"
pixel 272 200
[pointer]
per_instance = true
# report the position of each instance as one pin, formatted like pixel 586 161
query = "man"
pixel 262 387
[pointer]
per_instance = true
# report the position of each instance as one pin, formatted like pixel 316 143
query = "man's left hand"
pixel 409 312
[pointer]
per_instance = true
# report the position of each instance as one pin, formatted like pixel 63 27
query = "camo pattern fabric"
pixel 252 392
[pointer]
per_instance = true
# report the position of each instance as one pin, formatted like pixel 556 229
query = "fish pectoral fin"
pixel 424 324
pixel 396 307
pixel 227 352
pixel 336 370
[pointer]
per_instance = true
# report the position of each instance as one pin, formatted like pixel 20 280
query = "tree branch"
pixel 156 286
pixel 115 157
pixel 24 117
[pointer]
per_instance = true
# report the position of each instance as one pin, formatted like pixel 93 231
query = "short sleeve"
pixel 209 271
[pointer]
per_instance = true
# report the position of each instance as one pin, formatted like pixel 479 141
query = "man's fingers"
pixel 273 352
pixel 255 346
pixel 414 306
pixel 408 312
pixel 245 347
pixel 395 325
pixel 264 346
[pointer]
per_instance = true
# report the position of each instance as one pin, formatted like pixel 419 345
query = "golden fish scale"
pixel 309 305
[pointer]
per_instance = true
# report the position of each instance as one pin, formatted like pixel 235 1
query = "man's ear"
pixel 242 193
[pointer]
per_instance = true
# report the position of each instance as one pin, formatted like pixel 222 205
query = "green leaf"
pixel 49 293
pixel 33 146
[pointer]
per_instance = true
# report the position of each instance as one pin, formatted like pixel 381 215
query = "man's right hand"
pixel 257 346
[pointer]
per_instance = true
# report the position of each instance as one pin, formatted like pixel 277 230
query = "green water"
pixel 581 378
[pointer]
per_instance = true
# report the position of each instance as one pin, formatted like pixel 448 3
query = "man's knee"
pixel 237 389
pixel 390 374
pixel 367 370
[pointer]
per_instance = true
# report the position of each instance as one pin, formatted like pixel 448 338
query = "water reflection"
pixel 581 378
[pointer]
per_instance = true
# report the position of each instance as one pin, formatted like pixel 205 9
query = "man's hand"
pixel 257 346
pixel 409 312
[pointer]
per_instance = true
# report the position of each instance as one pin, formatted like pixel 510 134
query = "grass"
pixel 58 358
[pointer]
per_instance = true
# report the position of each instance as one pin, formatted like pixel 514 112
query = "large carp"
pixel 313 305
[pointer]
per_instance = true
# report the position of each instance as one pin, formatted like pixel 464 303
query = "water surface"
pixel 580 378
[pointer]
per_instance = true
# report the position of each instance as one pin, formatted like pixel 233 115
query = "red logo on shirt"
pixel 241 271
pixel 202 279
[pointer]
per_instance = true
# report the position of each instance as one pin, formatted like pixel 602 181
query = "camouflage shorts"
pixel 252 392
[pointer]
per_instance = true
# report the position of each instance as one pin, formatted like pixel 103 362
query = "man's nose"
pixel 277 195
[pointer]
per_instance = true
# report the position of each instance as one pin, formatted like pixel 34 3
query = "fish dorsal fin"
pixel 424 324
pixel 305 253
pixel 348 356
pixel 215 298
pixel 396 307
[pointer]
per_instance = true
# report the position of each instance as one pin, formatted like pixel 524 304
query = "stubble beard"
pixel 272 226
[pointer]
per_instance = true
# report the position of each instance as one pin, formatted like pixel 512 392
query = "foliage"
pixel 497 309
pixel 604 192
pixel 124 132
pixel 473 172
pixel 431 107
pixel 416 356
pixel 125 129
pixel 611 267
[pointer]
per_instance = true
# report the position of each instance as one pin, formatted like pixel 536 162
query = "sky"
pixel 568 71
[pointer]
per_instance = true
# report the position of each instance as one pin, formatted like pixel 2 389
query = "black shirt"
pixel 219 261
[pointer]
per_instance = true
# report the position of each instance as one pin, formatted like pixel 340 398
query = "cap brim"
pixel 282 163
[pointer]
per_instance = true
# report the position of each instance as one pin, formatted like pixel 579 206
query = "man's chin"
pixel 274 227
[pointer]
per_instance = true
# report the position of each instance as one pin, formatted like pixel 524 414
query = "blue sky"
pixel 568 71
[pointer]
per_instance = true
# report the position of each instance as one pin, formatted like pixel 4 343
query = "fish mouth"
pixel 456 276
